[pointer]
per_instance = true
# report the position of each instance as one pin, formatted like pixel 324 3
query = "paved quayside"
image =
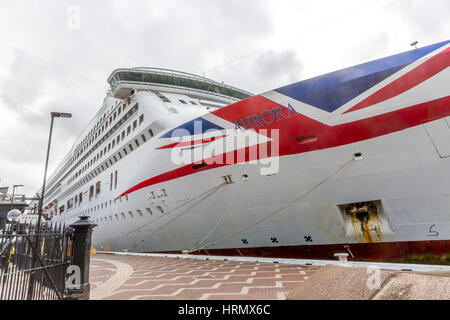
pixel 169 277
pixel 139 277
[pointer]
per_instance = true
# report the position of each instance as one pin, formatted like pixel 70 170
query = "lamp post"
pixel 41 199
pixel 14 189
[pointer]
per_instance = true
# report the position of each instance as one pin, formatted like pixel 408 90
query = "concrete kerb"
pixel 306 262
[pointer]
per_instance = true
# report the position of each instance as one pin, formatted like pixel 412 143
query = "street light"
pixel 14 189
pixel 60 115
pixel 41 200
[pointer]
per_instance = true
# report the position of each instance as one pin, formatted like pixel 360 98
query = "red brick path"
pixel 143 278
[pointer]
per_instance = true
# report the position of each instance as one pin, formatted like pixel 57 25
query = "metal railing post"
pixel 81 249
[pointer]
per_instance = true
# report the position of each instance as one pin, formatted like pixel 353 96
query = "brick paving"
pixel 115 277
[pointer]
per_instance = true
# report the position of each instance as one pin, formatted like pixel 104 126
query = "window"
pixel 125 150
pixel 123 134
pixel 182 101
pixel 91 192
pixel 70 204
pixel 128 130
pixel 134 124
pixel 81 197
pixel 193 103
pixel 115 180
pixel 118 139
pixel 143 138
pixel 97 188
pixel 141 119
pixel 150 131
pixel 131 148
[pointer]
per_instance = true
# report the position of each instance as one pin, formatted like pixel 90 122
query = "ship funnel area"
pixel 366 222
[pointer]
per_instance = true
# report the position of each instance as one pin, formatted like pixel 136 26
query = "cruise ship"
pixel 355 161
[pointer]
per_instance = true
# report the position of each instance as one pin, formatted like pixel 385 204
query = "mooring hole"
pixel 358 156
pixel 199 166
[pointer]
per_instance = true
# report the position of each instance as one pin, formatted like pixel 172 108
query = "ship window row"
pixel 77 201
pixel 101 152
pixel 116 216
pixel 165 99
pixel 91 137
pixel 124 215
pixel 104 167
pixel 93 134
pixel 97 133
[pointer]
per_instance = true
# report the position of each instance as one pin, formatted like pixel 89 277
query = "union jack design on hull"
pixel 363 160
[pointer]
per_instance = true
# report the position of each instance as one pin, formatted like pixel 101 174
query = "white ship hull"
pixel 397 174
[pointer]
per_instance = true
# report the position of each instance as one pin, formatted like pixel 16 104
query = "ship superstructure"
pixel 120 126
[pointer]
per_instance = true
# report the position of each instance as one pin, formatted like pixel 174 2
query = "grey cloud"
pixel 53 68
pixel 266 70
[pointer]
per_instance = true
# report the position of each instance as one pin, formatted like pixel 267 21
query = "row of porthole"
pixel 102 152
pixel 98 207
pixel 130 213
pixel 70 162
pixel 119 157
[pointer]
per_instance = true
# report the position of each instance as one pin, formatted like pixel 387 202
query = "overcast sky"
pixel 56 55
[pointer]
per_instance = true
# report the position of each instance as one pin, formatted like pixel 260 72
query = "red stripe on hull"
pixel 189 143
pixel 437 251
pixel 327 136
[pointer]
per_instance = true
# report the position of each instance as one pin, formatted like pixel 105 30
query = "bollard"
pixel 81 249
pixel 342 258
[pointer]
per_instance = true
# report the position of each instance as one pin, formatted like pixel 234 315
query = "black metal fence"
pixel 34 266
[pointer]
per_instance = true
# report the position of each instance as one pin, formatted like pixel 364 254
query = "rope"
pixel 183 212
pixel 169 212
pixel 273 213
pixel 217 224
